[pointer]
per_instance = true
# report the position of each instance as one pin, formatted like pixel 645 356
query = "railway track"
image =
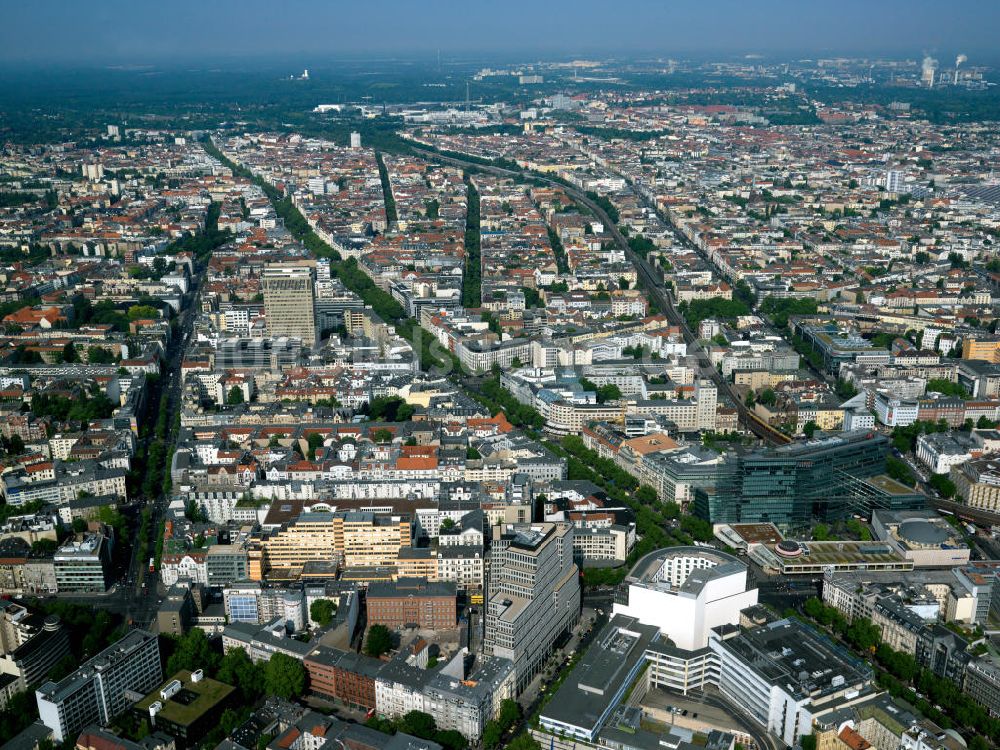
pixel 650 282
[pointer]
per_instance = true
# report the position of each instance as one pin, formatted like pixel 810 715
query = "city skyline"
pixel 184 32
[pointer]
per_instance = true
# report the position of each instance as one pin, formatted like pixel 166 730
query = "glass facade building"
pixel 827 479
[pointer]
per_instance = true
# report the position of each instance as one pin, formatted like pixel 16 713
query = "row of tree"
pixel 904 678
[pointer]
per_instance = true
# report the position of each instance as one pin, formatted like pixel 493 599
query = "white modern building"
pixel 895 412
pixel 98 691
pixel 685 592
pixel 784 673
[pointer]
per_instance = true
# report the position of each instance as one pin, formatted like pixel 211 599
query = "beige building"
pixel 977 349
pixel 978 483
pixel 289 300
pixel 357 539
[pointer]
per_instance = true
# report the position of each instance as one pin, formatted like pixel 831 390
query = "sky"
pixel 98 32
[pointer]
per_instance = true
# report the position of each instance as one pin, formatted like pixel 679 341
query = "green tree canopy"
pixel 322 611
pixel 193 652
pixel 379 640
pixel 284 676
pixel 142 312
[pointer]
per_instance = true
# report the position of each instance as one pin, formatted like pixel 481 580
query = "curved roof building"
pixel 685 592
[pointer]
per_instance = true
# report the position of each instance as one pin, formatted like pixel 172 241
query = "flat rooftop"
pixel 603 672
pixel 191 702
pixel 792 654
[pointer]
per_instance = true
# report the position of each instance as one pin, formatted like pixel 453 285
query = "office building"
pixel 978 483
pixel 84 566
pixel 597 684
pixel 289 301
pixel 784 673
pixel 985 349
pixel 685 592
pixel 921 536
pixel 31 644
pixel 356 538
pixel 982 683
pixel 825 479
pixel 187 706
pixel 225 563
pixel 99 691
pixel 409 602
pixel 534 593
pixel 261 643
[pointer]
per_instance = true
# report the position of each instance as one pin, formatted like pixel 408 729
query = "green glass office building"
pixel 826 479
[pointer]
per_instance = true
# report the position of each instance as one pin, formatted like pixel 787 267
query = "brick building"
pixel 343 675
pixel 412 601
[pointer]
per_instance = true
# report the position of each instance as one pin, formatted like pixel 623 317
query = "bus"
pixel 152 565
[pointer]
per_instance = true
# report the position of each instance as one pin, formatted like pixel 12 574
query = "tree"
pixel 646 495
pixel 471 454
pixel 97 355
pixel 864 635
pixel 143 312
pixel 79 525
pixel 382 435
pixel 44 546
pixel 492 735
pixel 69 353
pixel 159 266
pixel 379 640
pixel 945 487
pixel 418 724
pixel 322 611
pixel 510 713
pixel 284 676
pixel 808 741
pixel 193 652
pixel 315 442
pixel 809 429
pixel 235 396
pixel 238 670
pixel 451 739
pixel 609 392
pixel 768 397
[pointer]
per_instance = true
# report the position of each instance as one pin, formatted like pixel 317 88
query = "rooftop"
pixel 194 700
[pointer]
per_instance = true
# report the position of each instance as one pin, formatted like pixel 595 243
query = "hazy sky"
pixel 96 31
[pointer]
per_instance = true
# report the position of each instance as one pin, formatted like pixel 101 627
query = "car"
pixel 684 712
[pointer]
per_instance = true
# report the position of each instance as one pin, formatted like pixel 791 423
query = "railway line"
pixel 653 285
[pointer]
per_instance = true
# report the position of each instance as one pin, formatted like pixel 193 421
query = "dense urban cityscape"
pixel 579 403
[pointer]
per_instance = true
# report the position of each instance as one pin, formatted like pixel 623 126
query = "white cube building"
pixel 685 592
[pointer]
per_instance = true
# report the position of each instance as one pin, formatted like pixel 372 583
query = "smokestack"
pixel 958 61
